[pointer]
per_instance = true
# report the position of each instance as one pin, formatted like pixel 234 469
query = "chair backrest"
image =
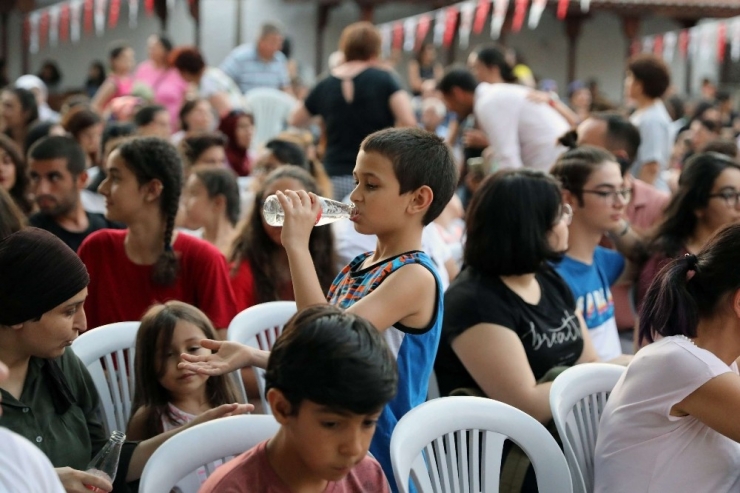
pixel 108 353
pixel 259 326
pixel 577 399
pixel 271 109
pixel 455 444
pixel 200 446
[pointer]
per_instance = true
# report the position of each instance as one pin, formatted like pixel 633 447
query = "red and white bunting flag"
pixel 133 13
pixel 54 25
pixel 735 40
pixel 422 29
pixel 149 7
pixel 520 12
pixel 535 13
pixel 450 25
pixel 397 35
pixel 64 22
pixel 481 15
pixel 99 16
pixel 440 19
pixel 658 46
pixel 669 45
pixel 635 47
pixel 585 5
pixel 721 41
pixel 499 15
pixel 114 12
pixel 75 9
pixel 706 46
pixel 88 12
pixel 647 44
pixel 467 11
pixel 409 34
pixel 385 40
pixel 43 28
pixel 563 8
pixel 684 38
pixel 33 31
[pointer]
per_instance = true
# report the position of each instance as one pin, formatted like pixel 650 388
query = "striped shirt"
pixel 249 71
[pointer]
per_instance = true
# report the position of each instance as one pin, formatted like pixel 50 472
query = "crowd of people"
pixel 500 235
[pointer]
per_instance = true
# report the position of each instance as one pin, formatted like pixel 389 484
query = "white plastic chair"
pixel 454 444
pixel 259 326
pixel 97 349
pixel 271 109
pixel 577 399
pixel 200 446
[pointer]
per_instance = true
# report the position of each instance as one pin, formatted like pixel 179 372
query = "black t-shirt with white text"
pixel 72 239
pixel 549 331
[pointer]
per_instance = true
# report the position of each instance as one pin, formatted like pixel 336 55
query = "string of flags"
pixel 698 41
pixel 66 21
pixel 464 18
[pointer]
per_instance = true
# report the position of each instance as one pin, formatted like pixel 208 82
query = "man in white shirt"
pixel 521 132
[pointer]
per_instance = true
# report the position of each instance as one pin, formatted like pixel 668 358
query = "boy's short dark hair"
pixel 60 147
pixel 419 158
pixel 287 152
pixel 193 147
pixel 334 359
pixel 457 77
pixel 508 221
pixel 146 114
pixel 652 72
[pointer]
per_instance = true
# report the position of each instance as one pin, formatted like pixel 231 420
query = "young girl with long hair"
pixel 14 174
pixel 120 82
pixel 150 262
pixel 260 270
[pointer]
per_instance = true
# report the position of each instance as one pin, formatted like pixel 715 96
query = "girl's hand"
pixel 227 356
pixel 301 214
pixel 75 481
pixel 221 411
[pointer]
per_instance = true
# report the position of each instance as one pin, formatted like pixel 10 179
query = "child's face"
pixel 185 339
pixel 329 443
pixel 376 195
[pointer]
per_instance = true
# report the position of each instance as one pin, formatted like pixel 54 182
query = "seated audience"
pixel 238 127
pixel 326 423
pixel 40 90
pixel 150 262
pixel 207 149
pixel 153 121
pixel 19 113
pixel 50 397
pixel 120 81
pixel 58 176
pixel 211 202
pixel 670 423
pixel 86 127
pixel 14 174
pixel 196 117
pixel 43 129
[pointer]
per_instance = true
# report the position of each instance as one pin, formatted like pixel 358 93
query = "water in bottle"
pixel 105 463
pixel 331 210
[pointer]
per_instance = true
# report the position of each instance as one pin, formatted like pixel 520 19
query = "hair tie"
pixel 691 262
pixel 168 247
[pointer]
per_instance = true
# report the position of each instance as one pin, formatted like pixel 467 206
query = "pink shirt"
pixel 252 473
pixel 641 448
pixel 645 210
pixel 168 87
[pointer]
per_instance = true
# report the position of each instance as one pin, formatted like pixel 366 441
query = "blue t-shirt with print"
pixel 590 286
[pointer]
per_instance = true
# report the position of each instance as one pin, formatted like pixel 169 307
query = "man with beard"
pixel 58 175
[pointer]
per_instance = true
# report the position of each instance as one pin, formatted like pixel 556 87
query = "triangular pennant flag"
pixel 385 40
pixel 170 6
pixel 422 29
pixel 535 13
pixel 467 11
pixel 520 12
pixel 481 15
pixel 721 41
pixel 669 45
pixel 409 34
pixel 683 43
pixel 33 31
pixel 635 47
pixel 113 13
pixel 75 9
pixel 149 7
pixel 64 22
pixel 397 35
pixel 43 28
pixel 647 44
pixel 563 8
pixel 499 15
pixel 89 10
pixel 99 16
pixel 133 13
pixel 658 46
pixel 439 27
pixel 54 25
pixel 585 5
pixel 450 25
pixel 735 40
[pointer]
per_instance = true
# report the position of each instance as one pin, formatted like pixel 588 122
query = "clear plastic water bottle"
pixel 105 463
pixel 331 210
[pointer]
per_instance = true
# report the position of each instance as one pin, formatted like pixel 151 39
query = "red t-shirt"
pixel 121 290
pixel 251 472
pixel 245 289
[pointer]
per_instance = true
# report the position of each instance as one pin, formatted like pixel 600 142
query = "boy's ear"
pixel 421 199
pixel 279 405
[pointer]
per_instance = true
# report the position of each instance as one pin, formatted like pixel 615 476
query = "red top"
pixel 245 289
pixel 121 290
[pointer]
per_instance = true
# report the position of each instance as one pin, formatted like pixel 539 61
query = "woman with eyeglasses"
pixel 593 186
pixel 706 200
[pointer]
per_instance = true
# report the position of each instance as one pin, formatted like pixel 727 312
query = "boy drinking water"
pixel 405 178
pixel 326 423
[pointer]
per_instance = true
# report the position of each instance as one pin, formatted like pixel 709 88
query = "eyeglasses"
pixel 731 197
pixel 625 194
pixel 566 214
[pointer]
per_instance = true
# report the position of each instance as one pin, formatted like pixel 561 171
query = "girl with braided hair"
pixel 149 262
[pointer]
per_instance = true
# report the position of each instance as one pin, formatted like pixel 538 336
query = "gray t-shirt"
pixel 654 123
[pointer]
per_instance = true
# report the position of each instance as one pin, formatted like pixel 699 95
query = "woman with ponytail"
pixel 149 262
pixel 671 422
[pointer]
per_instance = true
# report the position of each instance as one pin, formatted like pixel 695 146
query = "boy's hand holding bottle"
pixel 301 211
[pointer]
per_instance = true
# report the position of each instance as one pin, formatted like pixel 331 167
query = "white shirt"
pixel 24 468
pixel 642 448
pixel 522 133
pixel 656 139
